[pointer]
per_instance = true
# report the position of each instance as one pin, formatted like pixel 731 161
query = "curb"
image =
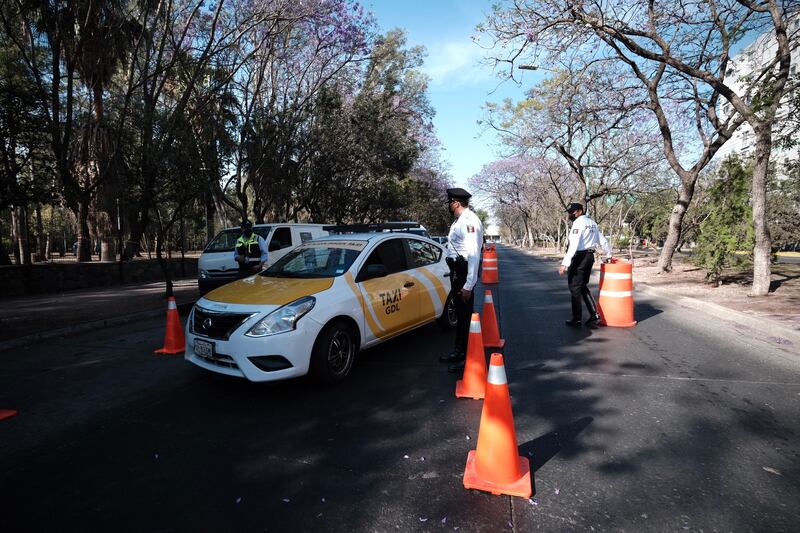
pixel 88 326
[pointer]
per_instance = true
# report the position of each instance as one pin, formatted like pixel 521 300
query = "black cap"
pixel 574 206
pixel 458 193
pixel 246 224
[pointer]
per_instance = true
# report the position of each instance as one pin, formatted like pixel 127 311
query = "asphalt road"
pixel 679 423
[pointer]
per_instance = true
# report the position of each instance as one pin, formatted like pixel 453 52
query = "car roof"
pixel 366 236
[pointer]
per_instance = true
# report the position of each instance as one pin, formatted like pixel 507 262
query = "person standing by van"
pixel 251 251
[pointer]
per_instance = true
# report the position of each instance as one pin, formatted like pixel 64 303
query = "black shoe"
pixel 573 322
pixel 456 367
pixel 453 357
pixel 593 320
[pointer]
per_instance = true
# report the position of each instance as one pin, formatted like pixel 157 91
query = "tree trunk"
pixel 21 220
pixel 108 251
pixel 763 245
pixel 41 244
pixel 676 222
pixel 210 214
pixel 15 236
pixel 84 238
pixel 5 260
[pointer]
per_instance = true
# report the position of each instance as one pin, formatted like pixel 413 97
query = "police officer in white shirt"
pixel 464 244
pixel 584 237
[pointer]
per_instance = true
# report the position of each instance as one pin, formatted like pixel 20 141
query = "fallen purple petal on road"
pixel 423 519
pixel 444 520
pixel 557 491
pixel 239 500
pixel 772 470
pixel 286 500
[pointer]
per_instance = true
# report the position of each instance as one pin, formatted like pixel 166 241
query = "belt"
pixel 590 250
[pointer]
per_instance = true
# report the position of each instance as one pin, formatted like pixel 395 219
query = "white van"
pixel 216 266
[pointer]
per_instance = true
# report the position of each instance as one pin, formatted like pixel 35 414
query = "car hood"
pixel 263 290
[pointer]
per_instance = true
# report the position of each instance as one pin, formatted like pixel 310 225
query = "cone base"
pixel 618 324
pixel 7 413
pixel 166 351
pixel 520 487
pixel 498 344
pixel 462 391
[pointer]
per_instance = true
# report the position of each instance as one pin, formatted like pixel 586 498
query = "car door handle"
pixel 408 284
pixel 446 275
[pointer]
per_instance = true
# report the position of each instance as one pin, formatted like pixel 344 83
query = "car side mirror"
pixel 372 272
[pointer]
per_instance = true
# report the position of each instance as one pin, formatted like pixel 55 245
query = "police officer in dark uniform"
pixel 251 251
pixel 584 237
pixel 464 243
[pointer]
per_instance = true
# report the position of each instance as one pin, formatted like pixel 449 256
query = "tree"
pixel 680 50
pixel 727 229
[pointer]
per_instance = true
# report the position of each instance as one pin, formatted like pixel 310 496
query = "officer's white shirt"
pixel 465 239
pixel 585 235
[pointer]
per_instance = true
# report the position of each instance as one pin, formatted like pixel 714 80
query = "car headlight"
pixel 282 319
pixel 203 274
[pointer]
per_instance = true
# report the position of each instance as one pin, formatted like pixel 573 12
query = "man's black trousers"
pixel 463 309
pixel 578 278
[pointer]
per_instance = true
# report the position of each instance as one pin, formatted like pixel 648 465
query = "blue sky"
pixel 459 85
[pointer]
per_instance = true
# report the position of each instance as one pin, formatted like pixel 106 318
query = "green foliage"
pixel 728 230
pixel 783 207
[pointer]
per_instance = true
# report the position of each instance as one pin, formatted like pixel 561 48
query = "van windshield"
pixel 225 241
pixel 313 262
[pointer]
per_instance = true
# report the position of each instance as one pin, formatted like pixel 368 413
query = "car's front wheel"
pixel 449 319
pixel 334 352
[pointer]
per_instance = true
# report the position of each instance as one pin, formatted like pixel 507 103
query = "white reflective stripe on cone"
pixel 497 375
pixel 487 299
pixel 616 294
pixel 490 260
pixel 474 327
pixel 172 305
pixel 490 268
pixel 614 275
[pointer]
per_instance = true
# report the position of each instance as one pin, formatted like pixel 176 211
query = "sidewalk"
pixel 30 319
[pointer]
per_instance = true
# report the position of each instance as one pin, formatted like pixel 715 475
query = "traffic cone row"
pixel 7 413
pixel 495 465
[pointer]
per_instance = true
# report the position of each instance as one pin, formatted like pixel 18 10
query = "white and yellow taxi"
pixel 317 306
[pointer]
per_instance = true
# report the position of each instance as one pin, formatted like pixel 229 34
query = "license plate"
pixel 203 348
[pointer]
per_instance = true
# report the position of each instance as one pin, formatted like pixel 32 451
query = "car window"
pixel 423 253
pixel 305 236
pixel 225 241
pixel 281 238
pixel 262 231
pixel 313 262
pixel 390 254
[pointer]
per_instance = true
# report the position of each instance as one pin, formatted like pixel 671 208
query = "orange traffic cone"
pixel 7 413
pixel 489 329
pixel 495 466
pixel 174 341
pixel 473 384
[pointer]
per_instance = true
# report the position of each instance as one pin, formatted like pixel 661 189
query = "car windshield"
pixel 314 261
pixel 225 241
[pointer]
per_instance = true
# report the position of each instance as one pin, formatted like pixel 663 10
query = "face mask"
pixel 247 232
pixel 572 217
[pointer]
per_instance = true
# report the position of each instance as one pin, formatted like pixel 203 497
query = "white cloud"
pixel 456 64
